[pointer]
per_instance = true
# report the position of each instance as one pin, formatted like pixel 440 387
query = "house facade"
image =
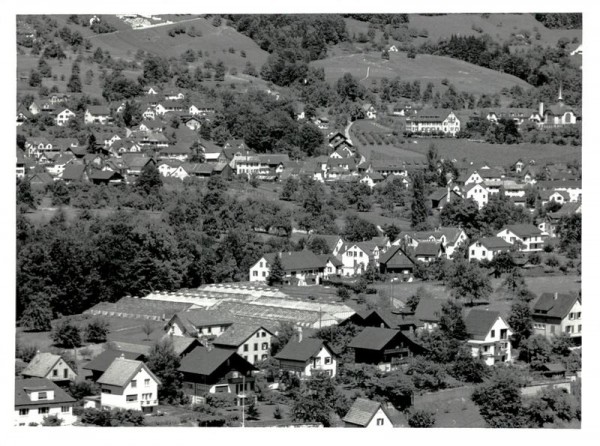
pixel 487 248
pixel 307 357
pixel 49 366
pixel 433 121
pixel 302 267
pixel 554 314
pixel 528 238
pixel 367 414
pixel 37 398
pixel 489 336
pixel 251 342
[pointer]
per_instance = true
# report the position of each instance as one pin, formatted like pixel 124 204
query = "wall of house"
pixel 479 252
pixel 257 347
pixel 480 195
pixel 61 371
pixel 318 362
pixel 355 261
pixel 260 271
pixel 529 244
pixel 141 390
pixel 379 421
pixel 486 349
pixel 33 415
pixel 574 324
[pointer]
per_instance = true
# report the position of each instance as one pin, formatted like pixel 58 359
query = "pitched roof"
pixel 362 412
pixel 428 249
pixel 493 243
pixel 292 261
pixel 524 230
pixel 301 351
pixel 205 318
pixel 395 257
pixel 554 304
pixel 40 365
pixel 273 158
pixel 22 397
pixel 121 371
pixel 202 361
pixel 98 110
pixel 237 334
pixel 73 172
pixel 101 362
pixel 429 309
pixel 479 322
pixel 373 338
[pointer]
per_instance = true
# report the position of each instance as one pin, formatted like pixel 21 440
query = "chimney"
pixel 541 110
pixel 299 334
pixel 555 296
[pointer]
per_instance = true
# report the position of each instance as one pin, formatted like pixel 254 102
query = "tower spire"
pixel 560 98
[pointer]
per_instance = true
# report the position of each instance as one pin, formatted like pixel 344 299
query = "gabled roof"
pixel 362 412
pixel 40 365
pixel 237 334
pixel 274 158
pixel 101 362
pixel 39 384
pixel 479 322
pixel 297 260
pixel 105 175
pixel 202 361
pixel 373 338
pixel 303 350
pixel 121 371
pixel 493 243
pixel 98 110
pixel 73 172
pixel 524 230
pixel 205 318
pixel 395 257
pixel 554 304
pixel 428 249
pixel 429 309
pixel 566 210
pixel 331 258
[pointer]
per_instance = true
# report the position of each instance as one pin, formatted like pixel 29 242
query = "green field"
pixel 425 68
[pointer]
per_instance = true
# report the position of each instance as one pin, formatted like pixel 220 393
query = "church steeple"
pixel 560 98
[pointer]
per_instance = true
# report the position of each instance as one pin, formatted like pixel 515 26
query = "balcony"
pixel 148 402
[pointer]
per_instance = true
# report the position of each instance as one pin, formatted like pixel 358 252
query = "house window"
pixel 65 409
pixel 379 421
pixel 264 334
pixel 65 373
pixel 265 346
pixel 264 356
pixel 552 328
pixel 131 398
pixel 327 360
pixel 483 252
pixel 255 358
pixel 42 395
pixel 493 334
pixel 264 274
pixel 258 334
pixel 255 346
pixel 209 330
pixel 579 329
pixel 54 372
pixel 486 348
pixel 133 384
pixel 106 391
pixel 472 252
pixel 246 357
pixel 245 347
pixel 569 328
pixel 147 383
pixel 255 273
pixel 43 410
pixel 23 412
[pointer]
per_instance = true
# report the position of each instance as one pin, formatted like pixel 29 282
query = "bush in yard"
pixel 113 417
pixel 80 389
pixel 343 293
pixel 552 262
pixel 421 418
pixel 66 335
pixel 534 258
pixel 52 420
pixel 220 400
pixel 277 414
pixel 26 352
pixel 96 331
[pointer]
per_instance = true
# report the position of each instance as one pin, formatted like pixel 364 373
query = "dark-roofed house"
pixel 440 197
pixel 428 313
pixel 199 322
pixel 251 341
pixel 527 237
pixel 301 267
pixel 100 363
pixel 489 336
pixel 429 251
pixel 129 384
pixel 215 370
pixel 307 357
pixel 367 413
pixel 97 114
pixel 375 318
pixel 396 261
pixel 50 366
pixel 487 248
pixel 105 177
pixel 74 172
pixel 554 314
pixel 383 347
pixel 36 398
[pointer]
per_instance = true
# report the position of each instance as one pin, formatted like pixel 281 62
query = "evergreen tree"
pixel 520 321
pixel 452 322
pixel 74 84
pixel 277 273
pixel 24 194
pixel 35 80
pixel 418 209
pixel 66 335
pixel 149 181
pixel 164 363
pixel 37 314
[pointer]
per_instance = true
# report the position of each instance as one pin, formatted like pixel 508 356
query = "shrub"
pixel 534 258
pixel 220 400
pixel 66 335
pixel 26 352
pixel 52 420
pixel 552 261
pixel 96 331
pixel 421 418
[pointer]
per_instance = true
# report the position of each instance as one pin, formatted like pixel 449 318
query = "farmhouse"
pixel 49 366
pixel 301 267
pixel 527 238
pixel 428 313
pixel 63 116
pixel 433 121
pixel 396 261
pixel 251 341
pixel 97 114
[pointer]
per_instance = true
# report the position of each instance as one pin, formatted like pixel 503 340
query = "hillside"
pixel 425 68
pixel 217 41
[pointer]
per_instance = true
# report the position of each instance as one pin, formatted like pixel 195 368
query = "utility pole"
pixel 243 398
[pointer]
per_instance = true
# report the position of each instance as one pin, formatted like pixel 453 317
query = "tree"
pixel 97 330
pixel 520 321
pixel 395 388
pixel 37 315
pixel 286 330
pixel 147 329
pixel 74 84
pixel 464 214
pixel 418 216
pixel 317 399
pixel 421 418
pixel 35 79
pixel 468 281
pixel 67 335
pixel 149 181
pixel 220 71
pixel 24 194
pixel 252 412
pixel 537 351
pixel 514 282
pixel 426 374
pixel 452 322
pixel 164 363
pixel 358 230
pixel 277 273
pixel 499 400
pixel 197 153
pixel 467 368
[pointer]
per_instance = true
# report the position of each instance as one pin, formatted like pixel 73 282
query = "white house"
pixel 487 248
pixel 528 237
pixel 554 314
pixel 356 257
pixel 433 120
pixel 303 266
pixel 37 398
pixel 307 357
pixel 63 116
pixel 199 322
pixel 49 366
pixel 369 111
pixel 97 114
pixel 367 414
pixel 129 384
pixel 252 342
pixel 489 336
pixel 478 193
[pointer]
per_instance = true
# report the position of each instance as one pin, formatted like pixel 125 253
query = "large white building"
pixel 37 398
pixel 433 121
pixel 527 237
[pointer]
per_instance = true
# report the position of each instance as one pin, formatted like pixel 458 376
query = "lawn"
pixel 43 214
pixel 425 68
pixel 496 154
pixel 452 407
